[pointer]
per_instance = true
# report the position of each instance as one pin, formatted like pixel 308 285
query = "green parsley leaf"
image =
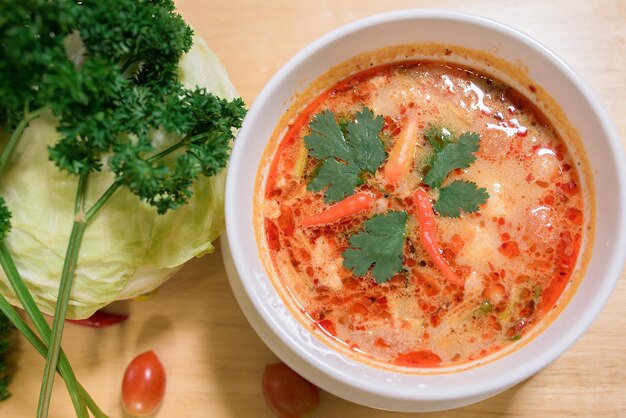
pixel 346 157
pixel 33 60
pixel 110 77
pixel 452 156
pixel 5 219
pixel 381 244
pixel 460 195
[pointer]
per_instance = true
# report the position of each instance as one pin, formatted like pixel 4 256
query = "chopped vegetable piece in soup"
pixel 422 215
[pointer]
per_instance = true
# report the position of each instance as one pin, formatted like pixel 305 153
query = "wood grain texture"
pixel 213 357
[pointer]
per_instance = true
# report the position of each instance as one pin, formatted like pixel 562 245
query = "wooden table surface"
pixel 213 358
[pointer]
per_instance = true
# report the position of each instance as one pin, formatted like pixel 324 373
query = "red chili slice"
pixel 421 358
pixel 100 319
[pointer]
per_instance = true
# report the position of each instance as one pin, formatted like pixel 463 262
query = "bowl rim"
pixel 234 227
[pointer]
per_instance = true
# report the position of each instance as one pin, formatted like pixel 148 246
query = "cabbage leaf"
pixel 128 249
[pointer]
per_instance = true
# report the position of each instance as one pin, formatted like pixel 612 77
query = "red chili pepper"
pixel 428 235
pixel 100 319
pixel 402 153
pixel 347 207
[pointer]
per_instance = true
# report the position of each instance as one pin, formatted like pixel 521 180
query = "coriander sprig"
pixel 460 195
pixel 346 157
pixel 379 244
pixel 448 156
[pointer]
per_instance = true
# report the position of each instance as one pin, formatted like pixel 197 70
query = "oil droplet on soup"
pixel 515 255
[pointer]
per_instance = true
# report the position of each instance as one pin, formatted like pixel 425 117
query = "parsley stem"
pixel 171 149
pixel 65 287
pixel 10 312
pixel 101 201
pixel 95 208
pixel 35 315
pixel 17 134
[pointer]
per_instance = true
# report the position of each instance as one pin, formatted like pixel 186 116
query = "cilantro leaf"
pixel 449 155
pixel 381 244
pixel 452 156
pixel 340 178
pixel 460 195
pixel 346 157
pixel 326 139
pixel 363 137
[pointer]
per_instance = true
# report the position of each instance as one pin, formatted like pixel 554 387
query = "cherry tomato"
pixel 287 393
pixel 143 385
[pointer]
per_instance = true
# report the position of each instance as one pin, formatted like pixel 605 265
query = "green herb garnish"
pixel 484 308
pixel 380 243
pixel 460 195
pixel 450 156
pixel 346 158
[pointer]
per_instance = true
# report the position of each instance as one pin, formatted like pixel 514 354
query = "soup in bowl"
pixel 411 211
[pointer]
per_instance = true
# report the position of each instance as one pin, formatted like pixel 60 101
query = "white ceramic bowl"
pixel 394 390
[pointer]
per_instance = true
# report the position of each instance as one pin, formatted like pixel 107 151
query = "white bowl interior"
pixel 354 380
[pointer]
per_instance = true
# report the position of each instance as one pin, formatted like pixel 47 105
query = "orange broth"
pixel 515 256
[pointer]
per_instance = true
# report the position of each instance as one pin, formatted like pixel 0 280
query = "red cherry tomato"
pixel 287 393
pixel 143 385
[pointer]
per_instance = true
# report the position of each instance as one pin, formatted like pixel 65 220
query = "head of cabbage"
pixel 128 249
